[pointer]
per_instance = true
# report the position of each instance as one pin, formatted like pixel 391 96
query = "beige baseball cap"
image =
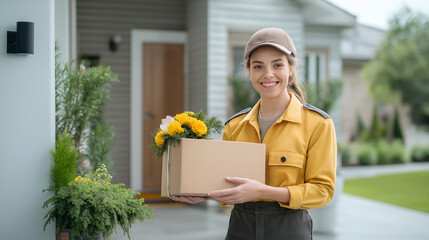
pixel 274 37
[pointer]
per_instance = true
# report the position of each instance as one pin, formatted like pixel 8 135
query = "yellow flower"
pixel 159 138
pixel 198 127
pixel 182 118
pixel 175 128
pixel 86 180
pixel 190 114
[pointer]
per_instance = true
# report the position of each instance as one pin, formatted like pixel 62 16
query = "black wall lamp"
pixel 21 41
pixel 114 42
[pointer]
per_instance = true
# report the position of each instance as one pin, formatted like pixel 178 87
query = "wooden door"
pixel 163 94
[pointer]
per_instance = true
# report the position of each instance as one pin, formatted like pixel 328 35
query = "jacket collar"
pixel 291 114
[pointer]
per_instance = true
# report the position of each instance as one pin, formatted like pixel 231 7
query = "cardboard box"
pixel 198 166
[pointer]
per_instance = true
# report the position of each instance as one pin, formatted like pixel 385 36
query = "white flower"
pixel 165 122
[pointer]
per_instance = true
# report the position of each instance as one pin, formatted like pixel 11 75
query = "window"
pixel 238 65
pixel 315 66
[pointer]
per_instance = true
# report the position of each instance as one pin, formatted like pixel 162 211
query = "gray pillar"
pixel 27 121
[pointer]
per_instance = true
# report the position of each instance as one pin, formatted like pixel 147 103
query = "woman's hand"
pixel 247 190
pixel 190 199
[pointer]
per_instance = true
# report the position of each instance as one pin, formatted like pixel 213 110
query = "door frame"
pixel 138 37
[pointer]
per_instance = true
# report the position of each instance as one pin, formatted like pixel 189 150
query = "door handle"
pixel 147 114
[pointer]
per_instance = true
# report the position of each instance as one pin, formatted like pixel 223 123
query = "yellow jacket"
pixel 301 151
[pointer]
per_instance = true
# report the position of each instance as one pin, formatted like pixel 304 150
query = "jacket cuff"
pixel 296 199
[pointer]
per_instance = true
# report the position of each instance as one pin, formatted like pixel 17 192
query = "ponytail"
pixel 293 85
pixel 294 88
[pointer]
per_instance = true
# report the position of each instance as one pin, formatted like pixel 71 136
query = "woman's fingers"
pixel 237 180
pixel 222 193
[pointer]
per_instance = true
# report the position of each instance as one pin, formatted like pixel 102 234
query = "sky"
pixel 377 13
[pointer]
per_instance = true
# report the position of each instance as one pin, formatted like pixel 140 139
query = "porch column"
pixel 27 121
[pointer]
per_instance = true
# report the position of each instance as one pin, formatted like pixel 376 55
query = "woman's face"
pixel 269 72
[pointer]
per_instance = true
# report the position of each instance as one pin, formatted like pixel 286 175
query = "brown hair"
pixel 293 82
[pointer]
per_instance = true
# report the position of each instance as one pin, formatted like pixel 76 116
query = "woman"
pixel 300 148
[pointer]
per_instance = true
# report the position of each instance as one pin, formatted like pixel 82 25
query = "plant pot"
pixel 65 234
pixel 97 237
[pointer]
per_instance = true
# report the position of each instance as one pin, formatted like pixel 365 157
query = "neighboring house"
pixel 358 47
pixel 176 55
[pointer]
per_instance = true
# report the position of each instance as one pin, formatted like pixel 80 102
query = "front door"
pixel 163 94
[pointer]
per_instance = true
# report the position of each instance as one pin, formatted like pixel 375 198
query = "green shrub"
pixel 420 153
pixel 63 161
pixel 346 154
pixel 397 152
pixel 91 206
pixel 244 95
pixel 383 152
pixel 324 95
pixel 397 129
pixel 367 155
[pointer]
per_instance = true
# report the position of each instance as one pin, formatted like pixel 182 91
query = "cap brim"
pixel 278 46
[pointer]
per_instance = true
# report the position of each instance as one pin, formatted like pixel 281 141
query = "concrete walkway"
pixel 372 171
pixel 360 218
pixel 357 218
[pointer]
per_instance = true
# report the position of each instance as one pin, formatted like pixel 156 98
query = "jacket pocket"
pixel 286 168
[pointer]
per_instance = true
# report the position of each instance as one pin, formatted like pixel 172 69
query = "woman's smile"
pixel 269 84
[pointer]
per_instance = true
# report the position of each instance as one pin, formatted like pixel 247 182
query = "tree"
pixel 400 69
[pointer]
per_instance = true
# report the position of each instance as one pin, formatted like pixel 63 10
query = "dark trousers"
pixel 268 221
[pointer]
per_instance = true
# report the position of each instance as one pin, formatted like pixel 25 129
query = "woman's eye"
pixel 278 65
pixel 257 66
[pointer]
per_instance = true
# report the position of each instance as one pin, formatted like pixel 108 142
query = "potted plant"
pixel 88 207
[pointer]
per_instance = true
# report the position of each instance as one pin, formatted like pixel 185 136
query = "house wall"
pixel 242 16
pixel 330 38
pixel 355 100
pixel 197 54
pixel 27 121
pixel 326 37
pixel 97 21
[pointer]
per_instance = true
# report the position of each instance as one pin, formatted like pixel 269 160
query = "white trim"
pixel 138 37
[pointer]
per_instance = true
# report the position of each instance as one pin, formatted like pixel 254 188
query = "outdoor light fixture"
pixel 114 42
pixel 21 41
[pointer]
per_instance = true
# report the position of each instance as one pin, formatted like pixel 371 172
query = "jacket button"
pixel 259 206
pixel 283 159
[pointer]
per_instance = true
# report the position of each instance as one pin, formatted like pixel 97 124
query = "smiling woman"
pixel 300 148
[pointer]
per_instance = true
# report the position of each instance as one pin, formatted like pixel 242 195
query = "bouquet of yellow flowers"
pixel 184 125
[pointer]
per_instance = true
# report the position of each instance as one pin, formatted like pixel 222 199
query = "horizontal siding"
pixel 243 16
pixel 326 37
pixel 97 21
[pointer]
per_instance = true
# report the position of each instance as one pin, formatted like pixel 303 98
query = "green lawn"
pixel 410 190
